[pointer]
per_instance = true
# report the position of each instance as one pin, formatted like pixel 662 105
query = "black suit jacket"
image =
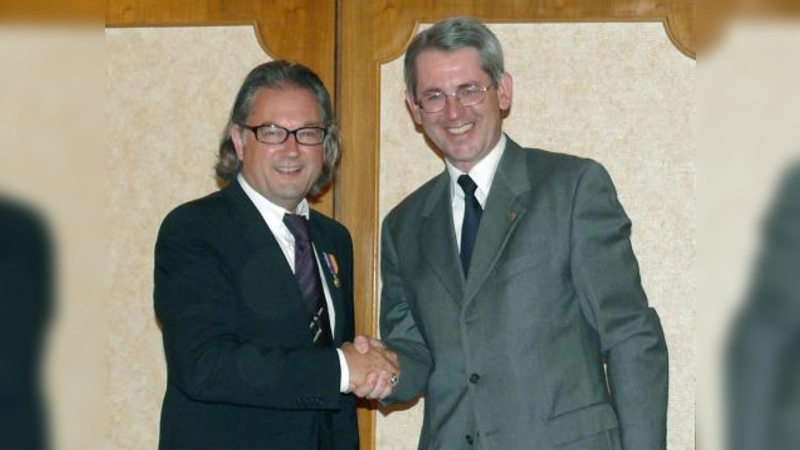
pixel 242 370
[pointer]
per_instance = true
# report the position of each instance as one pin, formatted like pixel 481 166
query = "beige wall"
pixel 618 93
pixel 51 137
pixel 168 94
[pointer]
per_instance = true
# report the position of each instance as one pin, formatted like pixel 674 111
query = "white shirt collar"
pixel 482 173
pixel 272 213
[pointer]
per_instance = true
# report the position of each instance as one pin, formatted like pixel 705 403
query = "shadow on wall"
pixel 26 303
pixel 763 355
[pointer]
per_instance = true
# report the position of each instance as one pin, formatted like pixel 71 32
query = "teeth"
pixel 460 130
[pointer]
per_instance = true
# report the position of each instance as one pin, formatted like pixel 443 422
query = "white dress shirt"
pixel 273 216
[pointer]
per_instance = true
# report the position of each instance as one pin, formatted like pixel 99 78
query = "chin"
pixel 463 153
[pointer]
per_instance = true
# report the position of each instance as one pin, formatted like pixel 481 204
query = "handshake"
pixel 374 369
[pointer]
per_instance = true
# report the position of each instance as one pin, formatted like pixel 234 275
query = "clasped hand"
pixel 374 369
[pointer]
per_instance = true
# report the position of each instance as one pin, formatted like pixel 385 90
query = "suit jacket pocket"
pixel 581 423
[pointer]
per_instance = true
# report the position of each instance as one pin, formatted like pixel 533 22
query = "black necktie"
pixel 472 218
pixel 307 274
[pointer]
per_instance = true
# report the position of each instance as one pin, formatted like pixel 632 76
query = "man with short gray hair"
pixel 509 278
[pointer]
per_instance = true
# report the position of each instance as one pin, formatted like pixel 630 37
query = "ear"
pixel 238 143
pixel 416 113
pixel 505 91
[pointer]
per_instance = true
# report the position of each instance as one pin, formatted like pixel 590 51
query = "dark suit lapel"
pixel 329 260
pixel 266 252
pixel 250 223
pixel 503 212
pixel 437 238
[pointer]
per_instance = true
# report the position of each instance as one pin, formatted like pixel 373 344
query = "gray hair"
pixel 454 34
pixel 279 75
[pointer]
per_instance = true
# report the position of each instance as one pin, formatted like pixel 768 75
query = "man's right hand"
pixel 372 367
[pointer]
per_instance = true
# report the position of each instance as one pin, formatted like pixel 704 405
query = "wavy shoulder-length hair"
pixel 279 74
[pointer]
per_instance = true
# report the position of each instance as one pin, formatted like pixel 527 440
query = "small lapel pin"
pixel 333 268
pixel 512 216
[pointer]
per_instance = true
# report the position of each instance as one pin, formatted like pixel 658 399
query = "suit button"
pixel 474 378
pixel 469 439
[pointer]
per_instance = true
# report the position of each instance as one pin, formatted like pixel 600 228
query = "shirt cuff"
pixel 344 385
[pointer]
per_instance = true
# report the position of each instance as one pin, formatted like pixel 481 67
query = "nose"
pixel 452 106
pixel 290 146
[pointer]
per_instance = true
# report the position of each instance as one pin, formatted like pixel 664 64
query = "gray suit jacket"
pixel 514 354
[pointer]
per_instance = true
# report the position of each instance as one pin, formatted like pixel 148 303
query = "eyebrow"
pixel 459 87
pixel 317 124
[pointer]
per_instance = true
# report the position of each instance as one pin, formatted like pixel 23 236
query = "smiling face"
pixel 283 173
pixel 464 134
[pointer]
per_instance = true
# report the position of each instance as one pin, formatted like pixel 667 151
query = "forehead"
pixel 286 105
pixel 437 69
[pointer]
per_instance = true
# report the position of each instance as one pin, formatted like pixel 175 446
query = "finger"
pixel 374 389
pixel 367 387
pixel 388 389
pixel 362 343
pixel 392 356
pixel 380 385
pixel 377 343
pixel 388 386
pixel 393 365
pixel 386 392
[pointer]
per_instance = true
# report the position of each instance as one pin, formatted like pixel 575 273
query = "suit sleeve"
pixel 398 329
pixel 209 358
pixel 606 276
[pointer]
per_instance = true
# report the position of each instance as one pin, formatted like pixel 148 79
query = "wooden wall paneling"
pixel 299 30
pixel 372 32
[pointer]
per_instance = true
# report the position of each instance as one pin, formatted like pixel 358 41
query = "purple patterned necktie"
pixel 307 274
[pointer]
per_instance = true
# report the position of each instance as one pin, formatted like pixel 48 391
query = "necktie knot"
pixel 467 185
pixel 298 226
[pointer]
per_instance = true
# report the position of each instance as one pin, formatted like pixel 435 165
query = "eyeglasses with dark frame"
pixel 469 95
pixel 275 134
